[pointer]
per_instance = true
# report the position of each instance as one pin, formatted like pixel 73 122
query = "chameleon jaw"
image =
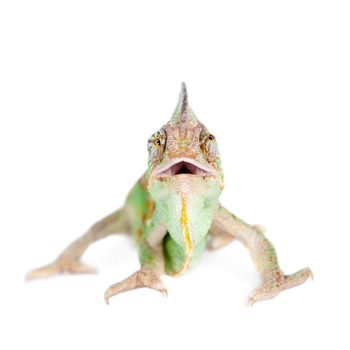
pixel 181 166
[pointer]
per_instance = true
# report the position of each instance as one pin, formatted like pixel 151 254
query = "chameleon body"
pixel 173 213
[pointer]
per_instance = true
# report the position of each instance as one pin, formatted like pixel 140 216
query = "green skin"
pixel 173 213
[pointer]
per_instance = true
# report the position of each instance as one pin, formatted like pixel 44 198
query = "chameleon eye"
pixel 157 141
pixel 211 137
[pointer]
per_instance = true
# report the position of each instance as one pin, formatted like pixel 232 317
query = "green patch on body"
pixel 136 203
pixel 175 257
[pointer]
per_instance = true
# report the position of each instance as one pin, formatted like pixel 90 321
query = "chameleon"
pixel 173 214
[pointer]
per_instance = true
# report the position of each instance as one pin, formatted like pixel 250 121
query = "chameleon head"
pixel 184 174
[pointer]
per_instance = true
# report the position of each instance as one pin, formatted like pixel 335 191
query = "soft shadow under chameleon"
pixel 172 211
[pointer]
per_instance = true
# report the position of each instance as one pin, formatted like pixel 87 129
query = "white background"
pixel 83 85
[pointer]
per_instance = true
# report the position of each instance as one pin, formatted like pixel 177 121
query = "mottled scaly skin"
pixel 173 213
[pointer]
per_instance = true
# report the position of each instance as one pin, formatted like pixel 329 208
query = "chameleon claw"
pixel 275 282
pixel 164 292
pixel 140 279
pixel 265 292
pixel 251 301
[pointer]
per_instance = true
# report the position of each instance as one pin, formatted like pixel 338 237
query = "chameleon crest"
pixel 173 213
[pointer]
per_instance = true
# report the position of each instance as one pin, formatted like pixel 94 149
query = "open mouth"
pixel 184 166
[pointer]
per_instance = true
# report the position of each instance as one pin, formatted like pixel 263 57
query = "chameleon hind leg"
pixel 264 256
pixel 69 260
pixel 152 263
pixel 219 238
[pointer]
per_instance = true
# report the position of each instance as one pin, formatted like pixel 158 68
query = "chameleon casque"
pixel 173 213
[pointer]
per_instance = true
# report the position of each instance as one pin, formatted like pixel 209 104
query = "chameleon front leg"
pixel 151 260
pixel 69 260
pixel 264 256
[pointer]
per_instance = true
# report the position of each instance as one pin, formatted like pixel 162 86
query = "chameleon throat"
pixel 186 236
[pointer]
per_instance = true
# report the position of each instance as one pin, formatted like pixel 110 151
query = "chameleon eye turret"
pixel 173 213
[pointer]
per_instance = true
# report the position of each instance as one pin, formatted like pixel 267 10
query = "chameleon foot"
pixel 275 282
pixel 140 279
pixel 59 266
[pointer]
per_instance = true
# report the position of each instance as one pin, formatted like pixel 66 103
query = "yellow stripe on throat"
pixel 184 226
